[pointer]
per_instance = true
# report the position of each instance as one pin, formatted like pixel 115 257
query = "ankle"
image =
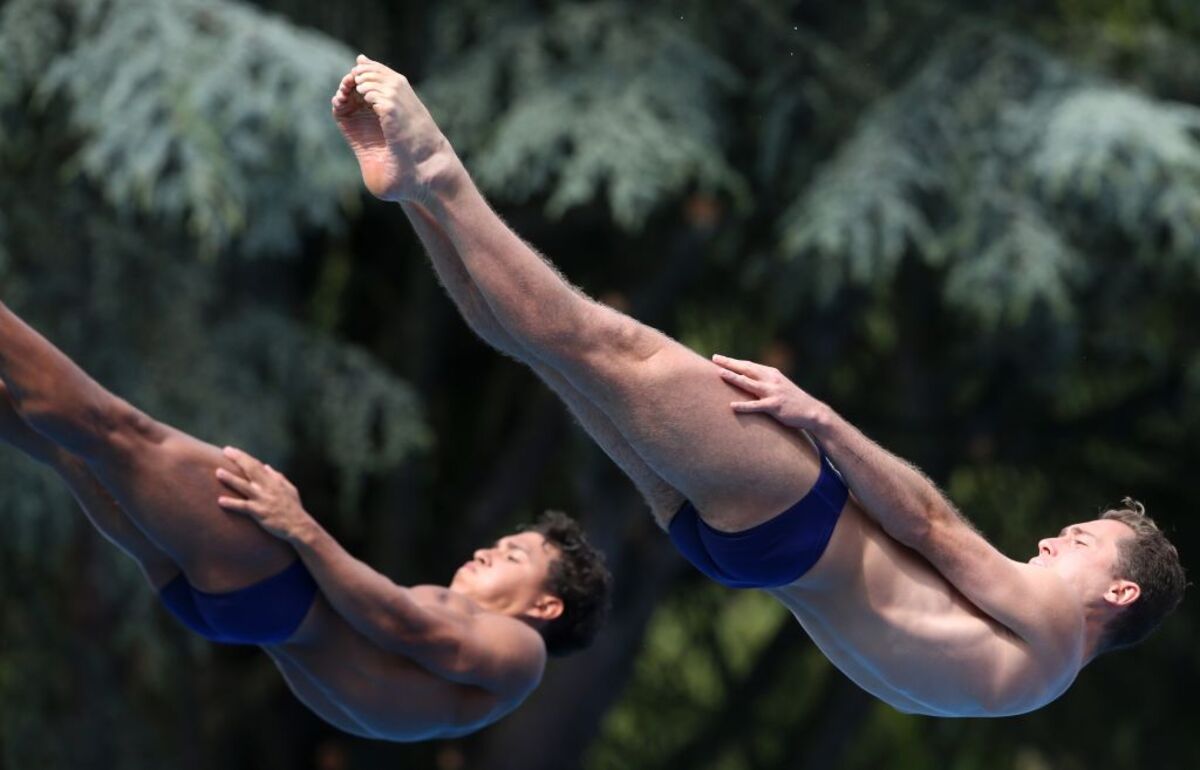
pixel 441 175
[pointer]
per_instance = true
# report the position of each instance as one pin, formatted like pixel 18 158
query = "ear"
pixel 547 607
pixel 1122 593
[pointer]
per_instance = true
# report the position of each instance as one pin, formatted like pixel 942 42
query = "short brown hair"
pixel 1149 560
pixel 578 576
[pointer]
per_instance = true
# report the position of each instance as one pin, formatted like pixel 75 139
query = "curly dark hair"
pixel 578 576
pixel 1149 560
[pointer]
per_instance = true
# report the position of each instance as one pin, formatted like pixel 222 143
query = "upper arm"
pixel 1030 601
pixel 493 652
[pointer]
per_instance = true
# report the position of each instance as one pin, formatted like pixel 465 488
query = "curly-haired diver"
pixel 373 658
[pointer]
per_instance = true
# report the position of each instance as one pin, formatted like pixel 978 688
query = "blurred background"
pixel 973 228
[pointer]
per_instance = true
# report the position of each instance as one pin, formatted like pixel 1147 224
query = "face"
pixel 509 577
pixel 1085 555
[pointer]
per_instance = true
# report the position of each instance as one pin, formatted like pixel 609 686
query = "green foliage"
pixel 1000 165
pixel 1130 164
pixel 205 114
pixel 608 100
pixel 327 395
pixel 700 647
pixel 1003 241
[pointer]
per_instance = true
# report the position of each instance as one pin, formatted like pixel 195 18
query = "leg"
pixel 97 504
pixel 162 478
pixel 669 403
pixel 663 500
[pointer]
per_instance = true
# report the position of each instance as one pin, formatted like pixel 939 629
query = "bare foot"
pixel 393 136
pixel 15 431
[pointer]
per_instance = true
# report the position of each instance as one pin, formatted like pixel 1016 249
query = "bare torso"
pixel 895 626
pixel 386 694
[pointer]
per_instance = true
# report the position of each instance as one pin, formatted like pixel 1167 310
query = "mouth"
pixel 1037 560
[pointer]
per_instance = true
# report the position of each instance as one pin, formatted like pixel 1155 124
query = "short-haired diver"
pixel 894 586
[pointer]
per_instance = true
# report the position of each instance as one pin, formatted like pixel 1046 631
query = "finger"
pixel 761 405
pixel 238 458
pixel 235 504
pixel 250 467
pixel 743 382
pixel 738 365
pixel 243 487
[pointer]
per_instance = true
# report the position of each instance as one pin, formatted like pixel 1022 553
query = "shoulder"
pixel 1026 676
pixel 512 654
pixel 506 656
pixel 1040 652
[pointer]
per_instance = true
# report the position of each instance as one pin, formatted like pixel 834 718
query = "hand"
pixel 266 496
pixel 391 133
pixel 776 395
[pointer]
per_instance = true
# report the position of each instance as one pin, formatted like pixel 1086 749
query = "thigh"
pixel 674 409
pixel 165 480
pixel 663 499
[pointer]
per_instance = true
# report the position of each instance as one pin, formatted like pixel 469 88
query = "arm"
pixel 1027 600
pixel 489 651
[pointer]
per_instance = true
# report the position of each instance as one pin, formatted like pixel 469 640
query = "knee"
pixel 611 336
pixel 108 424
pixel 122 426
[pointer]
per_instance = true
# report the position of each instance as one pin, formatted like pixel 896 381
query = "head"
pixel 1123 565
pixel 546 574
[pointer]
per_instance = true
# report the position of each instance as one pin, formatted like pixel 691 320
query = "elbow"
pixel 397 630
pixel 925 527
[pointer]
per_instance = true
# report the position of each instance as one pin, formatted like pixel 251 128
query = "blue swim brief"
pixel 774 553
pixel 268 612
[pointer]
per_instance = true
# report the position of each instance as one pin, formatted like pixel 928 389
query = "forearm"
pixel 893 492
pixel 376 607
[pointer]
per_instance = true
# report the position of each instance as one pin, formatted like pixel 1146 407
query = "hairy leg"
pixel 663 499
pixel 98 505
pixel 668 402
pixel 162 478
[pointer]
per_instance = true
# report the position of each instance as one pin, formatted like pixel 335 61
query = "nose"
pixel 1046 547
pixel 481 556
